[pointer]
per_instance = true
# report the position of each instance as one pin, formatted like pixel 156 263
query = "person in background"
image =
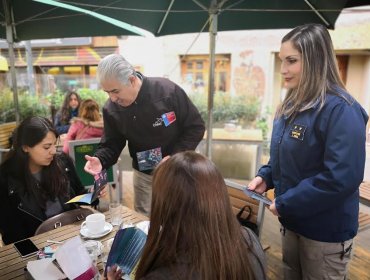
pixel 317 159
pixel 35 182
pixel 68 111
pixel 88 124
pixel 155 117
pixel 193 232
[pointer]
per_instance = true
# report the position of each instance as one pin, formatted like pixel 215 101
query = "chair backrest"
pixel 238 199
pixel 62 219
pixel 6 131
pixel 77 151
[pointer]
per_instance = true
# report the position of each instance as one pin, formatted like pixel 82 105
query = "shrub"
pixel 243 109
pixel 28 106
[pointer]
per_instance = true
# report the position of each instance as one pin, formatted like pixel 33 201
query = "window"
pixel 195 72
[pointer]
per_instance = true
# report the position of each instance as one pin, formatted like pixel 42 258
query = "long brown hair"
pixel 191 221
pixel 54 180
pixel 65 111
pixel 89 110
pixel 320 72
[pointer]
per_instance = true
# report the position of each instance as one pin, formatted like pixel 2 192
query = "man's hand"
pixel 258 185
pixel 164 159
pixel 103 191
pixel 93 165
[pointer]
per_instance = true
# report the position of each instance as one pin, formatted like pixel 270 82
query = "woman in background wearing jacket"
pixel 68 111
pixel 193 232
pixel 88 124
pixel 35 182
pixel 317 158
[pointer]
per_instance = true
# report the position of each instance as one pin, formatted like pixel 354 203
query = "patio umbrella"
pixel 46 19
pixel 164 17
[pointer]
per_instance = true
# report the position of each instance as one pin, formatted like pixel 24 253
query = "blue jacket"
pixel 316 166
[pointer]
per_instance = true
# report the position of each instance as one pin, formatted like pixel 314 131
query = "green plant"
pixel 262 122
pixel 28 106
pixel 244 109
pixel 56 98
pixel 98 95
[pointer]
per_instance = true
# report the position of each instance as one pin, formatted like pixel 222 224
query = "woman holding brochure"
pixel 193 232
pixel 35 182
pixel 317 159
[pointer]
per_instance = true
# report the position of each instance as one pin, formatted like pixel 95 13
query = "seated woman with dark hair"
pixel 68 111
pixel 193 232
pixel 35 182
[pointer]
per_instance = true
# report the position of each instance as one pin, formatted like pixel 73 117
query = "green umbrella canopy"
pixel 163 17
pixel 45 19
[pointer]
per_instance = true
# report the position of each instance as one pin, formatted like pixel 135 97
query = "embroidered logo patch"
pixel 169 118
pixel 297 131
pixel 158 122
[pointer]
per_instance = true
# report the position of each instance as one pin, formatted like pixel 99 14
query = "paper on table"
pixel 44 269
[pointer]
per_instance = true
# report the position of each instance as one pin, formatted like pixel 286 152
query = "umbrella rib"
pixel 317 13
pixel 52 9
pixel 233 5
pixel 200 5
pixel 191 45
pixel 165 16
pixel 34 16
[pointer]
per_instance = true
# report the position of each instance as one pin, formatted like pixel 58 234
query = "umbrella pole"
pixel 211 81
pixel 9 38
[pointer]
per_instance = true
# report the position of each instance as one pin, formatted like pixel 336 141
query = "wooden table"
pixel 12 264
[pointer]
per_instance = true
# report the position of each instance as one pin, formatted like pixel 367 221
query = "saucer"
pixel 85 232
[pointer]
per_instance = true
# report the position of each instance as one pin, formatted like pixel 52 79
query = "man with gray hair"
pixel 155 117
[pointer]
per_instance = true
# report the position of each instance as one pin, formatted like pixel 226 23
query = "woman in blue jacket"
pixel 317 159
pixel 67 112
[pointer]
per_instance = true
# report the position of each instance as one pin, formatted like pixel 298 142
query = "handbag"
pixel 245 222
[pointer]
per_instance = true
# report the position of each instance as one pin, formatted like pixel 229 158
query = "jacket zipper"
pixel 279 143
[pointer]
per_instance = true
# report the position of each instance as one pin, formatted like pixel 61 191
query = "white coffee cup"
pixel 95 223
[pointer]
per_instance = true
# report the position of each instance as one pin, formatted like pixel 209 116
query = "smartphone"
pixel 26 248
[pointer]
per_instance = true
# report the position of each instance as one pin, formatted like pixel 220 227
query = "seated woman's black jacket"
pixel 20 214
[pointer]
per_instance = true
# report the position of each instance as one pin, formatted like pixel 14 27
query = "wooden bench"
pixel 238 199
pixel 365 193
pixel 6 130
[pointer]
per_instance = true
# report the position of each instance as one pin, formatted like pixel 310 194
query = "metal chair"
pixel 238 199
pixel 62 219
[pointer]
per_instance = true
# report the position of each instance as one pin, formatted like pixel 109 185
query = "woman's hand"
pixel 93 165
pixel 273 209
pixel 114 272
pixel 258 185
